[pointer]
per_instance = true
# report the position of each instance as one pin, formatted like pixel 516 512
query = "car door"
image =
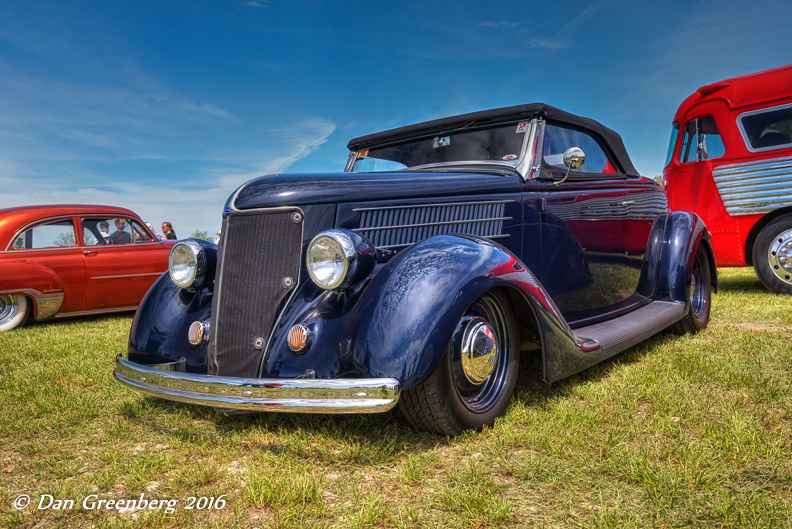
pixel 585 229
pixel 122 261
pixel 52 244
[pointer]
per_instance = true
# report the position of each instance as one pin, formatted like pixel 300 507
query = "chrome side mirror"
pixel 573 157
pixel 702 148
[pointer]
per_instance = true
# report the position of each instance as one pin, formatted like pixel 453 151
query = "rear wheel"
pixel 772 255
pixel 700 300
pixel 475 379
pixel 13 311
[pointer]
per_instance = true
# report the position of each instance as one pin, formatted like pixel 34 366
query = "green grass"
pixel 677 431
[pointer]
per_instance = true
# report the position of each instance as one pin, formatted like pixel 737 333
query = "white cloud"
pixel 258 3
pixel 138 145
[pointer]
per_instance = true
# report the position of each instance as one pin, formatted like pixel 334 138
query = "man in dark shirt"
pixel 120 236
pixel 167 229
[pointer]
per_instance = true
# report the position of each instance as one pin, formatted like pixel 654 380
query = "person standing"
pixel 167 229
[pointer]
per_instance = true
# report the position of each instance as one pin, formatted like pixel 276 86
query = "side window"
pixel 50 235
pixel 766 130
pixel 702 141
pixel 672 143
pixel 113 230
pixel 558 139
pixel 140 235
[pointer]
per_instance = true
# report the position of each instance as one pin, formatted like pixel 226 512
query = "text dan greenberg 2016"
pixel 93 502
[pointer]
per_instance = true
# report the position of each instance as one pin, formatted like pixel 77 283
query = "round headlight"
pixel 327 260
pixel 186 262
pixel 338 259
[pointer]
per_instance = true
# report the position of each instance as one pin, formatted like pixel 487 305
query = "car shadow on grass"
pixel 741 284
pixel 532 390
pixel 380 435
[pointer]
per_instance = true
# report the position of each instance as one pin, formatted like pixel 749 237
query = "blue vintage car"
pixel 419 275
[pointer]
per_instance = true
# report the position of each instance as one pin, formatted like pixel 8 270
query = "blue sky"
pixel 166 107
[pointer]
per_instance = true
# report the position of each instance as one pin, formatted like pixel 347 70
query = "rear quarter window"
pixel 767 129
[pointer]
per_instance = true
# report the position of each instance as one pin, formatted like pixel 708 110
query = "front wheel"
pixel 475 379
pixel 13 311
pixel 700 300
pixel 772 255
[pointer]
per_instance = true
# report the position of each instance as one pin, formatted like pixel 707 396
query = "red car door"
pixel 122 261
pixel 52 244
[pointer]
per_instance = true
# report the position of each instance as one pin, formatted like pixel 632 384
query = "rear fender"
pixel 684 232
pixel 399 323
pixel 37 282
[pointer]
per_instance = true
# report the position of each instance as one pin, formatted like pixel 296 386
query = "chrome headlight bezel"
pixel 357 258
pixel 196 262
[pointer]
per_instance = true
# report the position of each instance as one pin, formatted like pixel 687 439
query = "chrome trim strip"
pixel 96 311
pixel 437 205
pixel 745 135
pixel 753 187
pixel 361 395
pixel 131 275
pixel 48 304
pixel 494 219
pixel 526 164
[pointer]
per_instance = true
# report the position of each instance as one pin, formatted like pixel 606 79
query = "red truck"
pixel 730 161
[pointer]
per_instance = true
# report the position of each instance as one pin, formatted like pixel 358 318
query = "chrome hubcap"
pixel 479 351
pixel 8 308
pixel 780 256
pixel 480 355
pixel 698 294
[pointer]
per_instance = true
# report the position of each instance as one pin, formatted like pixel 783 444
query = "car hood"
pixel 327 188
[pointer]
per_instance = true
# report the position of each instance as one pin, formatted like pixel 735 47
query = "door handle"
pixel 88 253
pixel 627 202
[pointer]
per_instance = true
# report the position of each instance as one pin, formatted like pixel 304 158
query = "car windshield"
pixel 502 143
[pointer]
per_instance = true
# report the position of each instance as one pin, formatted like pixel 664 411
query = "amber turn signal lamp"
pixel 298 339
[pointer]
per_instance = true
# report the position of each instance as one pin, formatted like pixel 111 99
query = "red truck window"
pixel 702 141
pixel 767 129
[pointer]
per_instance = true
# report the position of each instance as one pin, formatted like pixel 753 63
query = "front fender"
pixel 159 331
pixel 399 323
pixel 38 282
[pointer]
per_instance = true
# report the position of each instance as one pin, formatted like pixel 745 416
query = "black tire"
pixel 455 397
pixel 700 300
pixel 772 255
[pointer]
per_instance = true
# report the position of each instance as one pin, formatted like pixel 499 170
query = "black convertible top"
pixel 499 115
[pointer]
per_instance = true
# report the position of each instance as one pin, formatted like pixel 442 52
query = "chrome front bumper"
pixel 296 395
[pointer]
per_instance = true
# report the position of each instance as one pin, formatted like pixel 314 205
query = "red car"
pixel 71 260
pixel 730 161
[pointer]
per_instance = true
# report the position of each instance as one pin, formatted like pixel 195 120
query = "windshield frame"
pixel 522 166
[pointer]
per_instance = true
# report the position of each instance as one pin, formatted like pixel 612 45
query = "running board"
pixel 619 334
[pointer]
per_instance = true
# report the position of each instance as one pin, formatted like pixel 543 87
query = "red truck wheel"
pixel 772 255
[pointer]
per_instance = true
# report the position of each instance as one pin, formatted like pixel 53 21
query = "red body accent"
pixel 690 186
pixel 85 274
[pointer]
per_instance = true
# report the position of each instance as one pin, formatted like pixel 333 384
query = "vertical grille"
pixel 257 252
pixel 405 225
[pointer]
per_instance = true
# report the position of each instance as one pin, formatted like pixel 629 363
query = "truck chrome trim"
pixel 347 395
pixel 753 187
